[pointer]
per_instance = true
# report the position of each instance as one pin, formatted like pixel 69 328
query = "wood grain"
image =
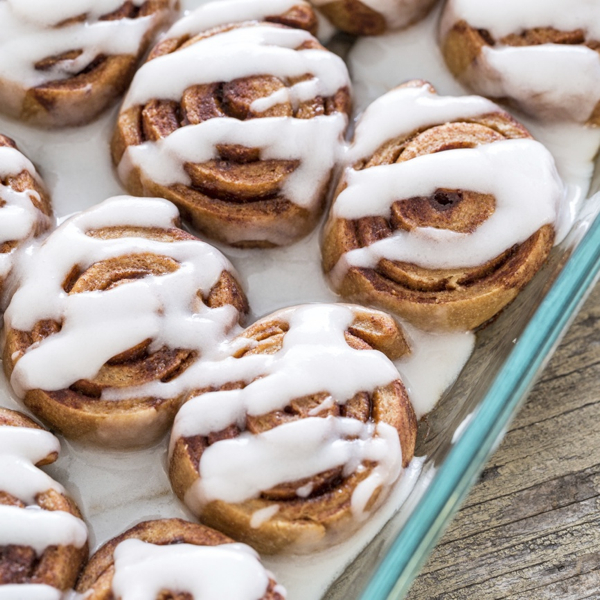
pixel 530 529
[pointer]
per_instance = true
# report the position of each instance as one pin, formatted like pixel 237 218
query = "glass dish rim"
pixel 393 577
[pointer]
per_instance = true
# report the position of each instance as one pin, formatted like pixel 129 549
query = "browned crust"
pixel 82 97
pixel 23 182
pixel 325 516
pixel 96 579
pixel 237 198
pixel 58 566
pixel 463 45
pixel 78 412
pixel 433 299
pixel 356 18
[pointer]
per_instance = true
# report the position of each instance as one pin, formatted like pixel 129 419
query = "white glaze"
pixel 520 174
pixel 29 32
pixel 40 529
pixel 314 358
pixel 239 53
pixel 433 365
pixel 231 571
pixel 214 14
pixel 552 81
pixel 20 449
pixel 19 218
pixel 29 591
pixel 163 308
pixel 503 17
pixel 404 110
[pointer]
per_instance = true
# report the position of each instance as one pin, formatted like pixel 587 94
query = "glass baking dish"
pixel 456 438
pixel 471 419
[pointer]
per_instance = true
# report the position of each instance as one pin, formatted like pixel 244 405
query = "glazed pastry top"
pixel 550 80
pixel 74 32
pixel 255 49
pixel 224 12
pixel 21 448
pixel 314 358
pixel 143 570
pixel 519 173
pixel 165 308
pixel 19 217
pixel 503 17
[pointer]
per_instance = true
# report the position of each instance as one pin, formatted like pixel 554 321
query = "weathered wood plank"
pixel 530 529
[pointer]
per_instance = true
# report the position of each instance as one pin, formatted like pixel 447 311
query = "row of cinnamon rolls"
pixel 65 64
pixel 44 541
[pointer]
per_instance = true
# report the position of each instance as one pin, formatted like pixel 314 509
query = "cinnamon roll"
pixel 299 435
pixel 373 17
pixel 43 541
pixel 24 205
pixel 542 57
pixel 62 63
pixel 131 302
pixel 171 558
pixel 245 146
pixel 446 210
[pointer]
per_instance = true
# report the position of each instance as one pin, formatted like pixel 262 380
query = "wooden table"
pixel 530 529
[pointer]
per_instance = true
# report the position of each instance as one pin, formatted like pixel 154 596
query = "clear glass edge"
pixel 409 551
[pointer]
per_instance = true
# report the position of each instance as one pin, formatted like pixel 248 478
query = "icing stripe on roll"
pixel 142 570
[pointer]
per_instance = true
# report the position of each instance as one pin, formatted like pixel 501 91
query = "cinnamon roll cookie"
pixel 299 435
pixel 245 145
pixel 62 63
pixel 446 210
pixel 24 205
pixel 171 558
pixel 131 302
pixel 544 57
pixel 43 541
pixel 373 17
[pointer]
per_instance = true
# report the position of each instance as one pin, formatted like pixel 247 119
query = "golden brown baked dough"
pixel 358 18
pixel 237 197
pixel 79 411
pixel 324 515
pixel 22 182
pixel 96 579
pixel 58 566
pixel 75 98
pixel 446 299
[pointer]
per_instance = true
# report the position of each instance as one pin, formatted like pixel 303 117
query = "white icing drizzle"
pixel 231 571
pixel 40 529
pixel 397 13
pixel 20 449
pixel 29 591
pixel 223 12
pixel 238 53
pixel 551 81
pixel 519 173
pixel 503 17
pixel 19 218
pixel 29 33
pixel 314 358
pixel 403 110
pixel 265 514
pixel 163 308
